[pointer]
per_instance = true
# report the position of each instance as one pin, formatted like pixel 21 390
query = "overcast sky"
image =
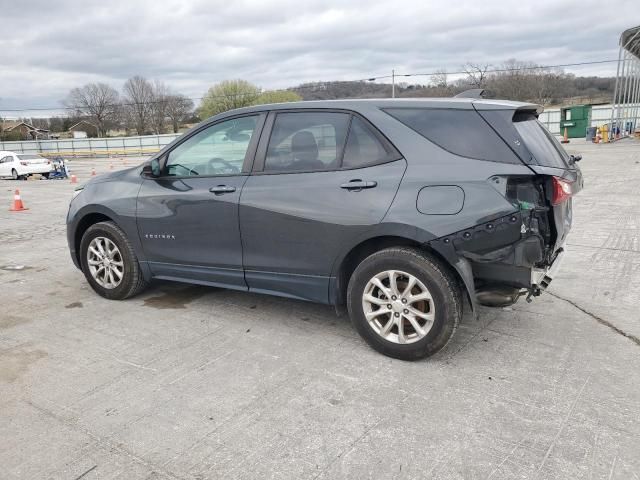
pixel 47 48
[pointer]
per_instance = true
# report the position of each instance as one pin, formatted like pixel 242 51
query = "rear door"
pixel 321 179
pixel 188 217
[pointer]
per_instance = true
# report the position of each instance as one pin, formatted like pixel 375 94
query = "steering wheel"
pixel 229 167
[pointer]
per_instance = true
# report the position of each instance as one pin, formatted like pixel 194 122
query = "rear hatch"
pixel 544 155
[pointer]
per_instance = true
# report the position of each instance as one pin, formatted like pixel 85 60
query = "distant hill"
pixel 547 88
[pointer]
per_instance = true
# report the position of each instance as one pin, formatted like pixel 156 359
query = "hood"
pixel 111 176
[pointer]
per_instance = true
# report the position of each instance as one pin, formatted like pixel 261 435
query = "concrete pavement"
pixel 187 382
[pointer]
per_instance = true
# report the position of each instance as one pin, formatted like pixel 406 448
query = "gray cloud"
pixel 46 49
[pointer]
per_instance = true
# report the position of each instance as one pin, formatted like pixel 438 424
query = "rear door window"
pixel 363 147
pixel 306 142
pixel 544 147
pixel 461 132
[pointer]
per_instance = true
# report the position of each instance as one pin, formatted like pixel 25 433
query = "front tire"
pixel 109 262
pixel 404 303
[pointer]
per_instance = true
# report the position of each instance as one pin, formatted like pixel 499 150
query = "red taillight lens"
pixel 24 164
pixel 562 190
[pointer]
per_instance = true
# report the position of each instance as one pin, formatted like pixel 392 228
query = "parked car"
pixel 398 210
pixel 23 165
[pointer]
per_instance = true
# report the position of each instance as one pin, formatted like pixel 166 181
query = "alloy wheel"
pixel 398 307
pixel 105 262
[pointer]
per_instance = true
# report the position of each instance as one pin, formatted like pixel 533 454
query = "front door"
pixel 188 217
pixel 6 161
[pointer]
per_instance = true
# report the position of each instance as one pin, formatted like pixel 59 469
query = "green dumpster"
pixel 576 119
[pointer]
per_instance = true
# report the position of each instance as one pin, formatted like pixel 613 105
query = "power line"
pixel 495 70
pixel 315 85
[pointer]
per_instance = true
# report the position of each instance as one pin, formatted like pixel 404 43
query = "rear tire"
pixel 45 176
pixel 14 174
pixel 106 249
pixel 414 319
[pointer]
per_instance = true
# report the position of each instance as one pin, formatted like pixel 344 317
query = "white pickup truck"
pixel 22 165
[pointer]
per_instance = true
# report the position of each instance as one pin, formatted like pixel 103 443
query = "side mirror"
pixel 576 158
pixel 151 168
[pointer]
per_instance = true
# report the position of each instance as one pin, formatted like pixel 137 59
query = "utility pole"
pixel 393 84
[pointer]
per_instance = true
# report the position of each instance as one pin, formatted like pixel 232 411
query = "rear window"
pixel 544 147
pixel 26 156
pixel 461 132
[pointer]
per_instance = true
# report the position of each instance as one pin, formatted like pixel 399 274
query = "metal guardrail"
pixel 89 147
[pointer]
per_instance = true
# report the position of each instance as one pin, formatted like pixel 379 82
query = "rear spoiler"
pixel 472 93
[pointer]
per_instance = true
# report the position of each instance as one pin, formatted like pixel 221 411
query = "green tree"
pixel 228 95
pixel 277 96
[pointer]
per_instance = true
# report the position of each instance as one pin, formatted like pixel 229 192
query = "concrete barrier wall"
pixel 84 147
pixel 149 144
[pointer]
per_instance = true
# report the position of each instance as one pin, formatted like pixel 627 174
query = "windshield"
pixel 544 147
pixel 25 156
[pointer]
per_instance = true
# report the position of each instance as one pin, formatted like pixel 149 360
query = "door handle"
pixel 222 189
pixel 357 185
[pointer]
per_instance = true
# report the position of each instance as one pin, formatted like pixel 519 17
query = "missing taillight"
pixel 562 190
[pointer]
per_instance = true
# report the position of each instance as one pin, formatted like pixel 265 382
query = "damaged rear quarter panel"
pixel 429 165
pixel 486 220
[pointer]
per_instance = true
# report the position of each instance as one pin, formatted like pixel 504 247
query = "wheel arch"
pixel 83 224
pixel 346 265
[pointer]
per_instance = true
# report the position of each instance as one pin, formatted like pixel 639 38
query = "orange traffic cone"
pixel 18 206
pixel 565 138
pixel 93 172
pixel 74 179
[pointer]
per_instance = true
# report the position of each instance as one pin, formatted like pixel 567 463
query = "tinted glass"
pixel 306 141
pixel 26 156
pixel 461 132
pixel 544 147
pixel 217 150
pixel 363 148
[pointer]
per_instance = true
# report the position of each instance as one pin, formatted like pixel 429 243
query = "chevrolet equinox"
pixel 399 210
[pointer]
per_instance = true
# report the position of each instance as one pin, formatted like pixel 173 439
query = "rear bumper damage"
pixel 501 260
pixel 541 277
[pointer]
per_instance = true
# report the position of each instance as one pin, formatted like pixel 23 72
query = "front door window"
pixel 217 150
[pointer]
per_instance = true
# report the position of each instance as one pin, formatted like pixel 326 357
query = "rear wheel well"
pixel 372 245
pixel 83 225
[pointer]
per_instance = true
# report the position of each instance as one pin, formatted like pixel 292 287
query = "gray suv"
pixel 402 211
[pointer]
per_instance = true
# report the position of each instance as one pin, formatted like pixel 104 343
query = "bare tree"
pixel 138 95
pixel 158 106
pixel 96 101
pixel 440 79
pixel 476 73
pixel 513 81
pixel 179 108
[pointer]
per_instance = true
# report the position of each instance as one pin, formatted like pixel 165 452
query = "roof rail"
pixel 473 93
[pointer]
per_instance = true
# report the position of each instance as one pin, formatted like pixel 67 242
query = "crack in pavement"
pixel 598 319
pixel 603 248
